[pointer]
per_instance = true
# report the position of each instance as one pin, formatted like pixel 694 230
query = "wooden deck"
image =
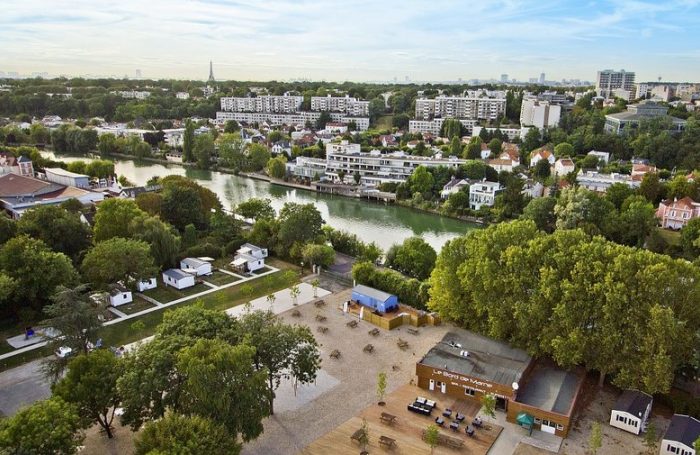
pixel 407 428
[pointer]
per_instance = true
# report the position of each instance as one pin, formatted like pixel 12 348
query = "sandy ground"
pixel 597 405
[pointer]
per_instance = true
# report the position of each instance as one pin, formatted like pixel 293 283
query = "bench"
pixel 374 332
pixel 335 354
pixel 387 442
pixel 412 331
pixel 387 418
pixel 368 349
pixel 319 303
pixel 357 435
pixel 403 344
pixel 352 324
pixel 320 318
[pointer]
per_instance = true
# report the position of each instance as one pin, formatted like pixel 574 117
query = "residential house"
pixel 249 258
pixel 145 285
pixel 564 166
pixel 119 295
pixel 388 140
pixel 533 189
pixel 541 153
pixel 483 193
pixel 280 147
pixel 595 181
pixel 680 436
pixel 603 157
pixel 195 266
pixel 453 186
pixel 676 214
pixel 631 411
pixel 501 164
pixel 639 170
pixel 178 279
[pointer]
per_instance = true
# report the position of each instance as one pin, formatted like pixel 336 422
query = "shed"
pixel 178 279
pixel 680 436
pixel 195 266
pixel 631 411
pixel 374 298
pixel 119 295
pixel 146 284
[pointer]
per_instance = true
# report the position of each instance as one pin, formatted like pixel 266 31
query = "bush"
pixel 205 249
pixel 409 291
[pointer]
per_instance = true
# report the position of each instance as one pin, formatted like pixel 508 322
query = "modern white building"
pixel 631 411
pixel 249 258
pixel 182 95
pixel 603 157
pixel 540 114
pixel 563 166
pixel 473 104
pixel 680 436
pixel 195 266
pixel 284 104
pixel 595 181
pixel 346 104
pixel 132 94
pixel 453 186
pixel 296 118
pixel 178 279
pixel 67 178
pixel 307 167
pixel 483 194
pixel 609 80
pixel 511 133
pixel 435 125
pixel 625 122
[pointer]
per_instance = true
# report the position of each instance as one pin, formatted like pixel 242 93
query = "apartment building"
pixel 483 194
pixel 607 81
pixel 132 94
pixel 539 114
pixel 294 118
pixel 474 104
pixel 623 122
pixel 511 133
pixel 435 125
pixel 283 104
pixel 346 104
pixel 375 167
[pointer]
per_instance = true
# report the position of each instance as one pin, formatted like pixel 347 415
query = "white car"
pixel 63 352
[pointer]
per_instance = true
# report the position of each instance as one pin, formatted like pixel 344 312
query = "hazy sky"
pixel 353 40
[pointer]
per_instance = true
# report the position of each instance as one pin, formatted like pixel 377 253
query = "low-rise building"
pixel 631 411
pixel 178 279
pixel 501 164
pixel 307 167
pixel 453 186
pixel 119 295
pixel 563 166
pixel 182 95
pixel 675 214
pixel 374 299
pixel 680 436
pixel 195 266
pixel 595 181
pixel 434 126
pixel 541 153
pixel 603 157
pixel 628 121
pixel 146 284
pixel 67 178
pixel 483 193
pixel 249 258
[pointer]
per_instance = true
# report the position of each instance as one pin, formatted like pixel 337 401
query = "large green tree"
pixel 299 223
pixel 161 237
pixel 113 218
pixel 256 208
pixel 61 230
pixel 257 157
pixel 182 206
pixel 118 259
pixel 185 435
pixel 414 257
pixel 188 155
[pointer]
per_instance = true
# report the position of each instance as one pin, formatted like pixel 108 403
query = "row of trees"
pixel 582 300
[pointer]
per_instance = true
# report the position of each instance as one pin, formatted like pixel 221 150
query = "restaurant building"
pixel 535 394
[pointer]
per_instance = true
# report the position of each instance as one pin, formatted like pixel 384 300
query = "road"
pixel 22 386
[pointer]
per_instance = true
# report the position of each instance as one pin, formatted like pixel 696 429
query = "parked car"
pixel 63 352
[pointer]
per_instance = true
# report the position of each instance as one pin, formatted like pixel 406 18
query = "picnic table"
pixel 335 354
pixel 357 435
pixel 439 421
pixel 322 329
pixel 368 349
pixel 469 430
pixel 387 441
pixel 387 418
pixel 320 318
pixel 374 332
pixel 296 313
pixel 412 331
pixel 403 344
pixel 319 303
pixel 352 324
pixel 454 426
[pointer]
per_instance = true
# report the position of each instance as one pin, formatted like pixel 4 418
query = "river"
pixel 370 221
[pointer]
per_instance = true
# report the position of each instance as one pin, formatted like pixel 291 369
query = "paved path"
pixel 149 299
pixel 114 311
pixel 22 386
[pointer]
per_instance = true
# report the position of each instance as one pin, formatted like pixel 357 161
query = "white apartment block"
pixel 434 126
pixel 483 193
pixel 607 81
pixel 307 167
pixel 511 133
pixel 540 114
pixel 600 183
pixel 376 168
pixel 474 104
pixel 285 104
pixel 294 118
pixel 346 104
pixel 133 94
pixel 182 95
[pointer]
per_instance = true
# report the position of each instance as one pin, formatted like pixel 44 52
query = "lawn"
pixel 137 305
pixel 165 294
pixel 384 122
pixel 671 237
pixel 219 278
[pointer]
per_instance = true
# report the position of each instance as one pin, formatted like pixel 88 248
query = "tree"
pixel 182 206
pixel 595 440
pixel 8 228
pixel 231 151
pixel 150 202
pixel 488 405
pixel 294 292
pixel 322 119
pixel 161 237
pixel 256 209
pixel 541 211
pixel 451 128
pixel 315 283
pixel 413 257
pixel 356 177
pixel 580 208
pixel 258 156
pixel 381 386
pixel 118 259
pixel 185 435
pixel 495 146
pixel 203 150
pixel 542 170
pixel 59 229
pixel 689 238
pixel 35 270
pixel 473 150
pixel 240 403
pixel 532 140
pixel 91 386
pixel 49 426
pixel 322 255
pixel 431 437
pixel 651 188
pixel 421 181
pixel 188 155
pixel 376 109
pixel 271 300
pixel 299 223
pixel 563 150
pixel 650 438
pixel 679 187
pixel 281 350
pixel 364 435
pixel 637 220
pixel 617 193
pixel 231 126
pixel 276 167
pixel 113 218
pixel 456 146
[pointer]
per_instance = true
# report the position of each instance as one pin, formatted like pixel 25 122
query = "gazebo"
pixel 525 420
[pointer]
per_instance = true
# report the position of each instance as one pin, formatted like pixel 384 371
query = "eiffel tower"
pixel 211 72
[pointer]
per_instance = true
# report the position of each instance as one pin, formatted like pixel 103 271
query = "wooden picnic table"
pixel 352 324
pixel 369 349
pixel 387 441
pixel 322 329
pixel 319 303
pixel 403 344
pixel 335 354
pixel 412 331
pixel 357 435
pixel 374 332
pixel 387 418
pixel 321 318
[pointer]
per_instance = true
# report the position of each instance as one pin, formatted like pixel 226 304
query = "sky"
pixel 436 40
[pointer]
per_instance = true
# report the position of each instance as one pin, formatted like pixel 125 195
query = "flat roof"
pixel 488 359
pixel 371 292
pixel 176 274
pixel 64 173
pixel 194 262
pixel 550 388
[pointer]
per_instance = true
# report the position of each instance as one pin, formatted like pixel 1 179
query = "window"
pixel 560 427
pixel 124 296
pixel 538 420
pixel 469 391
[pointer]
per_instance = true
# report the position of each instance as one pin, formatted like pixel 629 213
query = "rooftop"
pixel 194 262
pixel 683 429
pixel 64 173
pixel 550 388
pixel 176 274
pixel 487 359
pixel 371 292
pixel 633 402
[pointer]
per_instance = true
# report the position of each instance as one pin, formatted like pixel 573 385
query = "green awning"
pixel 524 419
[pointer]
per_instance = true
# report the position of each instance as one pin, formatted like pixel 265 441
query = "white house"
pixel 195 266
pixel 564 166
pixel 178 279
pixel 541 154
pixel 452 187
pixel 119 295
pixel 249 258
pixel 483 193
pixel 145 285
pixel 680 436
pixel 603 157
pixel 500 164
pixel 631 411
pixel 281 147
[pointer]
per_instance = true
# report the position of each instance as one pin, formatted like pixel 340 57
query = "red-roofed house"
pixel 676 214
pixel 388 140
pixel 564 166
pixel 541 154
pixel 639 169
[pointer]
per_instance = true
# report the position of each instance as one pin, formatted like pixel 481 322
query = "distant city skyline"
pixel 363 41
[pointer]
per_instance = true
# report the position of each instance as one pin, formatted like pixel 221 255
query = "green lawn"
pixel 671 237
pixel 219 278
pixel 384 122
pixel 137 305
pixel 165 294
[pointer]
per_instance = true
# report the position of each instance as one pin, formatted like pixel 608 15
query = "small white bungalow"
pixel 178 279
pixel 680 436
pixel 195 266
pixel 119 295
pixel 145 285
pixel 631 411
pixel 249 258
